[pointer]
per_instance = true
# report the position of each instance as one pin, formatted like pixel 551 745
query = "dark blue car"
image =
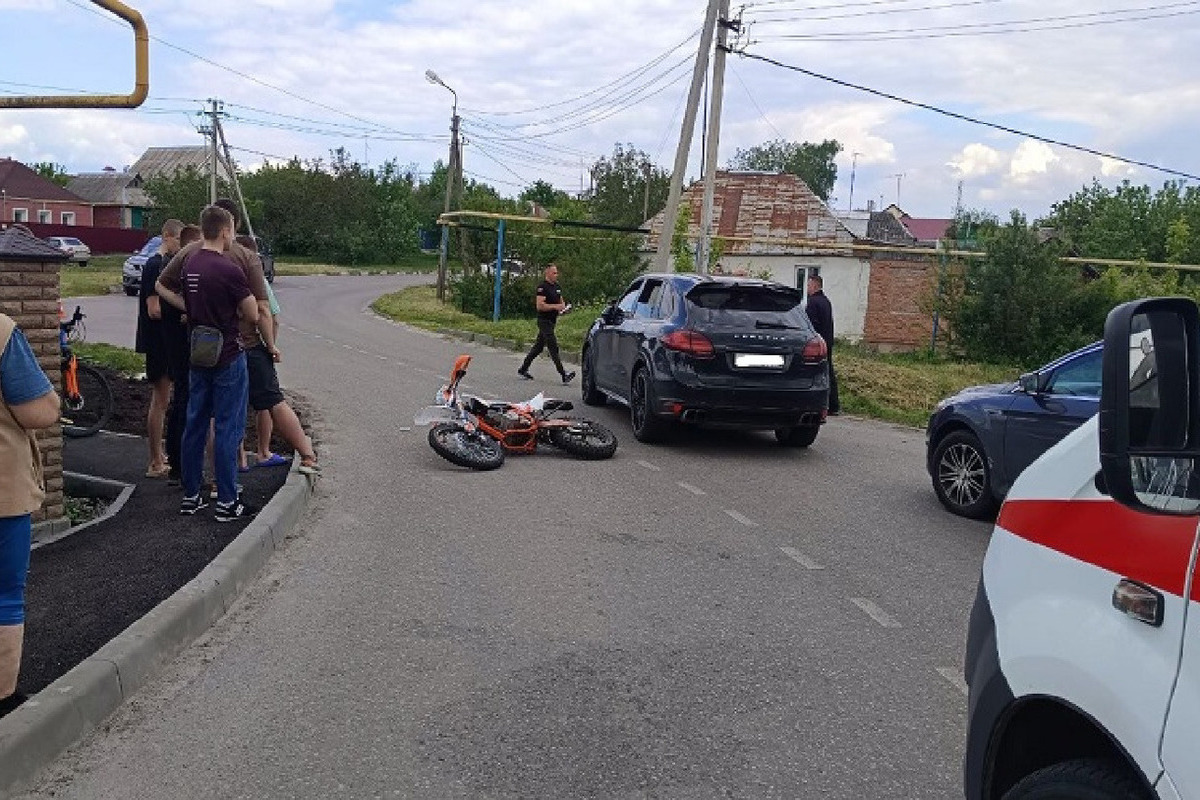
pixel 980 439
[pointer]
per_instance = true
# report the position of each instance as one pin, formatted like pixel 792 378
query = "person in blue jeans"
pixel 28 403
pixel 214 293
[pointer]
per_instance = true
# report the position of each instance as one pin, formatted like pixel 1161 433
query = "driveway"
pixel 717 616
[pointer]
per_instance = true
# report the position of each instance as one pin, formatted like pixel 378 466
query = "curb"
pixel 118 492
pixel 61 714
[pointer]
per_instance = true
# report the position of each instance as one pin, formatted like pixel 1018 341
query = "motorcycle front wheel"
pixel 471 449
pixel 585 439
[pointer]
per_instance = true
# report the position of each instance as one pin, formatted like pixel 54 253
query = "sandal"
pixel 309 465
pixel 158 472
pixel 275 460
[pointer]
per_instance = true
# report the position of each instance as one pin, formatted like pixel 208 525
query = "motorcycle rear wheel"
pixel 464 448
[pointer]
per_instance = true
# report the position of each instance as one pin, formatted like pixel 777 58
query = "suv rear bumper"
pixel 741 408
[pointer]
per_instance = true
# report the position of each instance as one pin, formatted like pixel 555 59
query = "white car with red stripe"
pixel 1083 655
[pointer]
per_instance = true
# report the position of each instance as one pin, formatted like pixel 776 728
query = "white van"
pixel 1083 654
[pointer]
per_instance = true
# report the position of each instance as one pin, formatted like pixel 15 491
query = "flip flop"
pixel 161 472
pixel 275 460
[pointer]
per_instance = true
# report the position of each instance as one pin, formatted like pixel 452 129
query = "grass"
pixel 94 279
pixel 119 359
pixel 419 306
pixel 902 387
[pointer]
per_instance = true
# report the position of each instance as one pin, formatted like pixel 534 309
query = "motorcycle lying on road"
pixel 471 432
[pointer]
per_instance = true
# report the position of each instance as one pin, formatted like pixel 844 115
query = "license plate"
pixel 757 360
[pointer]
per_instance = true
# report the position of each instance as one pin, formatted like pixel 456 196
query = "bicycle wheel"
pixel 465 448
pixel 585 439
pixel 89 412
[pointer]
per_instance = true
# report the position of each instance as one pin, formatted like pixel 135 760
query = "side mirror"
pixel 1150 406
pixel 1031 383
pixel 611 314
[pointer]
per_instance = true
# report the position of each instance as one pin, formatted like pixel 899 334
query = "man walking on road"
pixel 820 313
pixel 550 304
pixel 28 402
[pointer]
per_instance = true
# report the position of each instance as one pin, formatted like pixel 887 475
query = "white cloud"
pixel 976 160
pixel 1031 159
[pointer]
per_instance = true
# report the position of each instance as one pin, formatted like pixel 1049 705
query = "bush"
pixel 473 294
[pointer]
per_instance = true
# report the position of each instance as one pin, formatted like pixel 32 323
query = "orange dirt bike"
pixel 471 432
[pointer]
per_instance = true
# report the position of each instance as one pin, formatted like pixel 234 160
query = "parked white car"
pixel 77 250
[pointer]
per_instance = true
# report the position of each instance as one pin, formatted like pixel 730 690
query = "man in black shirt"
pixel 820 313
pixel 550 304
pixel 151 341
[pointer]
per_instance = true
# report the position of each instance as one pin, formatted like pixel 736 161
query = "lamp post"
pixel 452 170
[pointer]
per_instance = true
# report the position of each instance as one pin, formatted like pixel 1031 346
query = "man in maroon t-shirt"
pixel 215 295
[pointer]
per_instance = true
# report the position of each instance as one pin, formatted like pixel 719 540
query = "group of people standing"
pixel 207 324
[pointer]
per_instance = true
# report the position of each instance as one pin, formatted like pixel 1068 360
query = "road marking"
pixel 405 429
pixel 364 352
pixel 954 676
pixel 649 466
pixel 348 347
pixel 800 558
pixel 875 612
pixel 382 358
pixel 696 490
pixel 742 518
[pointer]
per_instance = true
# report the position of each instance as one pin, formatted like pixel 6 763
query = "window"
pixel 20 215
pixel 1080 377
pixel 803 273
pixel 68 218
pixel 629 301
pixel 45 217
pixel 649 299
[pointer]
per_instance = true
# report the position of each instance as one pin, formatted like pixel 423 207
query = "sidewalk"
pixel 86 588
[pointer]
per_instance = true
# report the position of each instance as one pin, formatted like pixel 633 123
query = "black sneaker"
pixel 174 478
pixel 191 505
pixel 524 374
pixel 12 702
pixel 228 512
pixel 568 377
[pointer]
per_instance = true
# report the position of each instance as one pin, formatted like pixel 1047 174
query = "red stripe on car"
pixel 1151 549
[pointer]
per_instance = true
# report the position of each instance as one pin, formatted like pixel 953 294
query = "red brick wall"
pixel 29 294
pixel 898 297
pixel 83 211
pixel 108 217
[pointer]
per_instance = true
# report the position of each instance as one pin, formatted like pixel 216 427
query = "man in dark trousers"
pixel 820 313
pixel 550 304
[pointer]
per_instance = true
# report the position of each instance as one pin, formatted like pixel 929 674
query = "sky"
pixel 545 89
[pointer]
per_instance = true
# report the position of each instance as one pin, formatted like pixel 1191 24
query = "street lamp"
pixel 452 170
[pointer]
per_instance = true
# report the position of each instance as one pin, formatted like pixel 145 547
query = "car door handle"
pixel 1138 601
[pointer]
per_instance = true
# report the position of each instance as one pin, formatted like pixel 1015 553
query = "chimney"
pixel 870 206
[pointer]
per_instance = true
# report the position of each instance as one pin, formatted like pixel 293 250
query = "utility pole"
pixel 213 159
pixel 646 196
pixel 453 168
pixel 713 138
pixel 853 169
pixel 237 184
pixel 662 258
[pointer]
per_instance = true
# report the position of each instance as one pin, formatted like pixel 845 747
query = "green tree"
pixel 544 194
pixel 1179 235
pixel 620 184
pixel 52 172
pixel 813 163
pixel 182 195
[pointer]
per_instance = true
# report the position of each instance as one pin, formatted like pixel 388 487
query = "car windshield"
pixel 746 306
pixel 69 240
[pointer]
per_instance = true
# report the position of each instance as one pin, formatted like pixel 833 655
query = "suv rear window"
pixel 743 306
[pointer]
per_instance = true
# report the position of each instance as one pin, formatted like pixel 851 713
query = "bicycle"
pixel 87 398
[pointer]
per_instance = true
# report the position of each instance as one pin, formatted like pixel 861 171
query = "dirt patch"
pixel 131 401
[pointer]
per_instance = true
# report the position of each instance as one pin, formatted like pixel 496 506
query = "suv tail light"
pixel 814 351
pixel 694 344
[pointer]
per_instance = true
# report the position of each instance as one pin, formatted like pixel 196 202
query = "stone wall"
pixel 29 294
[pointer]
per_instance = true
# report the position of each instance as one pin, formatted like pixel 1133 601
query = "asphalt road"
pixel 715 617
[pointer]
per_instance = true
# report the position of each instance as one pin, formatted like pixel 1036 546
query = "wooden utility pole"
pixel 713 139
pixel 237 184
pixel 213 157
pixel 646 196
pixel 662 259
pixel 453 173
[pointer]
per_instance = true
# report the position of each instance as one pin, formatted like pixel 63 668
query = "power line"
pixel 995 28
pixel 754 102
pixel 506 167
pixel 972 120
pixel 871 13
pixel 591 94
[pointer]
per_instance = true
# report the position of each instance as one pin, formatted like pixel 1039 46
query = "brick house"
pixel 117 198
pixel 27 197
pixel 773 223
pixel 29 294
